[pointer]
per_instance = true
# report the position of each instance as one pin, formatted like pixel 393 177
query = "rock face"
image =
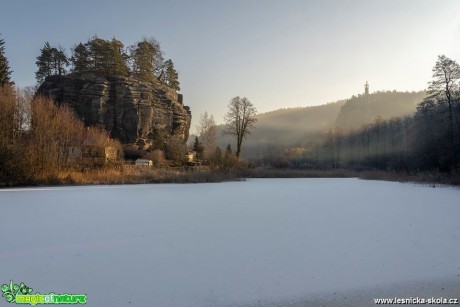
pixel 132 111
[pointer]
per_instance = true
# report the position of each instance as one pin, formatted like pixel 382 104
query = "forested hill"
pixel 310 118
pixel 364 109
pixel 306 126
pixel 286 127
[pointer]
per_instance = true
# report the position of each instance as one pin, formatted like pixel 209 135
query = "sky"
pixel 278 54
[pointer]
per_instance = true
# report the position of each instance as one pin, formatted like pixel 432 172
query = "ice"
pixel 222 244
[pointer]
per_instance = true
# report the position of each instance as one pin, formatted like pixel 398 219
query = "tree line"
pixel 240 120
pixel 143 60
pixel 37 137
pixel 428 140
pixel 363 109
pixel 5 71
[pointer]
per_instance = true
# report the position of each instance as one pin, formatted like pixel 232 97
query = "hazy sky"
pixel 279 54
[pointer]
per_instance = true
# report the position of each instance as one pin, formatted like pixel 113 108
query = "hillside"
pixel 305 126
pixel 363 109
pixel 286 128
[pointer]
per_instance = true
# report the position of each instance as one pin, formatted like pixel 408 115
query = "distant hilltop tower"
pixel 366 88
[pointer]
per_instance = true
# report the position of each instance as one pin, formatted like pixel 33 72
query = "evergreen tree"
pixel 147 59
pixel 99 55
pixel 198 148
pixel 103 57
pixel 80 59
pixel 158 58
pixel 44 63
pixel 118 58
pixel 159 140
pixel 60 61
pixel 142 56
pixel 143 60
pixel 228 150
pixel 5 71
pixel 51 61
pixel 171 77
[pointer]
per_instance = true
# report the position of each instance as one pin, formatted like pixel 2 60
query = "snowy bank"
pixel 229 244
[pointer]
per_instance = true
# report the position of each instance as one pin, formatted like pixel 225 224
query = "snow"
pixel 228 244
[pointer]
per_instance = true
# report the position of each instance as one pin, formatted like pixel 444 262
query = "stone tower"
pixel 366 88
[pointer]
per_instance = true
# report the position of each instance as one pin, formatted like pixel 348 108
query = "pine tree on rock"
pixel 171 77
pixel 44 63
pixel 118 58
pixel 51 61
pixel 80 59
pixel 147 59
pixel 60 61
pixel 99 50
pixel 142 55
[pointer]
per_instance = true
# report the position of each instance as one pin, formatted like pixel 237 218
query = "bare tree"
pixel 53 130
pixel 446 74
pixel 207 130
pixel 12 166
pixel 240 119
pixel 175 150
pixel 7 115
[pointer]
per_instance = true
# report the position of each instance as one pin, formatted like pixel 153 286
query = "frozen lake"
pixel 229 244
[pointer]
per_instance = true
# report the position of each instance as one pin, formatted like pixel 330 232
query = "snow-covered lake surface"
pixel 252 243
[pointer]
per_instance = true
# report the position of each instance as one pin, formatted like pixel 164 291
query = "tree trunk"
pixel 451 134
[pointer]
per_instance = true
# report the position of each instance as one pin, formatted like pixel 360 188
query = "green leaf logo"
pixel 10 291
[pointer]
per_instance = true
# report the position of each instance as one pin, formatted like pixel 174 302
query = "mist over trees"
pixel 363 109
pixel 438 116
pixel 306 127
pixel 143 60
pixel 391 131
pixel 428 140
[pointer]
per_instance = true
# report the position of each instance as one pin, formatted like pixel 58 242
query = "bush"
pixel 175 150
pixel 157 156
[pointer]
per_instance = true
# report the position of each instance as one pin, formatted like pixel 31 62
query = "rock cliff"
pixel 132 111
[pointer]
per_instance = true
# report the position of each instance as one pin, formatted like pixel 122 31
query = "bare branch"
pixel 240 119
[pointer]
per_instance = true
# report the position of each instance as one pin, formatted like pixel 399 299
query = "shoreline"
pixel 143 175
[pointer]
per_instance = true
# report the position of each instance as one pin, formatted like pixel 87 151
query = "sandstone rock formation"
pixel 132 111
